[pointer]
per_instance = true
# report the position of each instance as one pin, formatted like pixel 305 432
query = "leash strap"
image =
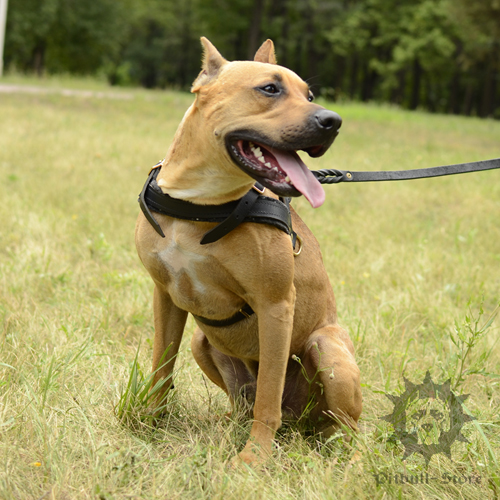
pixel 334 176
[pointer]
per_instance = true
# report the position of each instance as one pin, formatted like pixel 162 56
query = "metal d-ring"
pixel 299 241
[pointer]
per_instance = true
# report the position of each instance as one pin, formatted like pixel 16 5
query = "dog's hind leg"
pixel 229 373
pixel 336 379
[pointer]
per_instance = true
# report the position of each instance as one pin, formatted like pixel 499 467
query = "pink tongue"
pixel 302 178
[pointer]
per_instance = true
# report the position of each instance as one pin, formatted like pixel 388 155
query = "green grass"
pixel 57 81
pixel 412 264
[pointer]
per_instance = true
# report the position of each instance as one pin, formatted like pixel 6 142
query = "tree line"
pixel 440 55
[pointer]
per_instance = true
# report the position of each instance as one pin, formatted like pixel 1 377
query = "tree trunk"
pixel 453 104
pixel 186 44
pixel 415 91
pixel 337 76
pixel 311 70
pixel 469 99
pixel 397 94
pixel 495 99
pixel 353 79
pixel 430 102
pixel 253 39
pixel 486 108
pixel 39 58
pixel 454 101
pixel 368 83
pixel 284 36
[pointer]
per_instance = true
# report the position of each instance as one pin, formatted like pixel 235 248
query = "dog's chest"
pixel 191 274
pixel 184 268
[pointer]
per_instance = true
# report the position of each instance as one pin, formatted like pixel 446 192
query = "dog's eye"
pixel 271 89
pixel 310 97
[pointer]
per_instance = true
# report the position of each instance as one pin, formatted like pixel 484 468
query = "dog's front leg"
pixel 169 323
pixel 275 333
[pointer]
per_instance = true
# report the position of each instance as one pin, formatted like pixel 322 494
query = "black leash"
pixel 334 176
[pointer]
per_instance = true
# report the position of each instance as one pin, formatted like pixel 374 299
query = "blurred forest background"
pixel 439 55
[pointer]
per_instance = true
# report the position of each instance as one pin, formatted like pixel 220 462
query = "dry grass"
pixel 405 259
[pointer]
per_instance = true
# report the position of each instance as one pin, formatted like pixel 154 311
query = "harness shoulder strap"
pixel 237 216
pixel 142 200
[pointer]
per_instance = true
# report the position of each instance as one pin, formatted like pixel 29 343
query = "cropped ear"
pixel 212 64
pixel 266 53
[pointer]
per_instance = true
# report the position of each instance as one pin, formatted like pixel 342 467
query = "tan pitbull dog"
pixel 247 122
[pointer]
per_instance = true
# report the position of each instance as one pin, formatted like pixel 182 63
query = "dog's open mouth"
pixel 283 172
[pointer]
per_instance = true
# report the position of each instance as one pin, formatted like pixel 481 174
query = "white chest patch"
pixel 182 261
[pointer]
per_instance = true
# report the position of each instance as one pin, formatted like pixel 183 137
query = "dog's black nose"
pixel 328 119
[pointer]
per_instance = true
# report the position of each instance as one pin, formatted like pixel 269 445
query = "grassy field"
pixel 412 264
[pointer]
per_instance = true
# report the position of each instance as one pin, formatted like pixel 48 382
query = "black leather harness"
pixel 253 207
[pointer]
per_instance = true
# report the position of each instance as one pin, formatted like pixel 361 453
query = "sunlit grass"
pixel 408 262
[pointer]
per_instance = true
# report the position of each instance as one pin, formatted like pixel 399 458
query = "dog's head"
pixel 259 115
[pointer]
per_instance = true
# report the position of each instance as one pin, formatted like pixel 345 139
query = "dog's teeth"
pixel 287 179
pixel 256 151
pixel 267 164
pixel 262 159
pixel 274 169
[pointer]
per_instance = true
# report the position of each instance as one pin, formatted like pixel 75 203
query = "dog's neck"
pixel 204 175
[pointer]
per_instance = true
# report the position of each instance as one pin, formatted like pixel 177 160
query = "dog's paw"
pixel 252 455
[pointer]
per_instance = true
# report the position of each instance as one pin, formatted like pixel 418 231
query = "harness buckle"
pixel 158 165
pixel 242 311
pixel 259 188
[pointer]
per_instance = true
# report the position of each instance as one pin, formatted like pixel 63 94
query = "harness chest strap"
pixel 245 312
pixel 253 207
